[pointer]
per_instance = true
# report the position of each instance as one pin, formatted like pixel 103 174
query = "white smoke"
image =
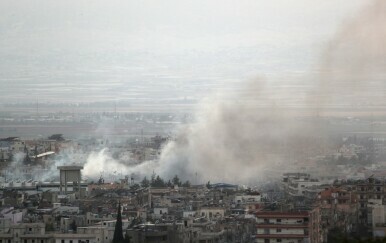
pixel 262 128
pixel 101 163
pixel 242 138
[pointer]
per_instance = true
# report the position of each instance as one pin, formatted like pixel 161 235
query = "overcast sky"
pixel 81 51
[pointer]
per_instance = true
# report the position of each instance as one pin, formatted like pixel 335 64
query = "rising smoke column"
pixel 352 69
pixel 240 138
pixel 101 163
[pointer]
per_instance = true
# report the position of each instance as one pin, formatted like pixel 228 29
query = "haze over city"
pixel 195 121
pixel 77 52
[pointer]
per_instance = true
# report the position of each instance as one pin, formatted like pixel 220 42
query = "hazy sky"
pixel 80 51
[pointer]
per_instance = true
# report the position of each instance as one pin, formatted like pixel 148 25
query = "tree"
pixel 169 183
pixel 118 232
pixel 27 159
pixel 186 184
pixel 145 182
pixel 152 179
pixel 176 181
pixel 134 187
pixel 158 182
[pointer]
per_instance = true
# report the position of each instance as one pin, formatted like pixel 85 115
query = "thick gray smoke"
pixel 101 163
pixel 352 70
pixel 265 128
pixel 242 138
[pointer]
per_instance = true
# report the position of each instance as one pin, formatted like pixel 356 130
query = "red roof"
pixel 267 214
pixel 288 236
pixel 281 226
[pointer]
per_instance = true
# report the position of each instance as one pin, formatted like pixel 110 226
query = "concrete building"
pixel 282 227
pixel 73 238
pixel 335 208
pixel 248 197
pixel 70 174
pixel 212 212
pixel 25 233
pixel 367 191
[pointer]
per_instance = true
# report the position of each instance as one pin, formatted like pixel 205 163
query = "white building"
pixel 103 232
pixel 285 227
pixel 247 198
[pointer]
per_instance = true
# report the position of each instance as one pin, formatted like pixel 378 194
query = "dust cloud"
pixel 265 129
pixel 243 138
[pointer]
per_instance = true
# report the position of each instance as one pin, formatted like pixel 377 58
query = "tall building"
pixel 282 227
pixel 334 209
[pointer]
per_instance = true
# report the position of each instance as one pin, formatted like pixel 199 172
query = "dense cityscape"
pixel 192 121
pixel 50 190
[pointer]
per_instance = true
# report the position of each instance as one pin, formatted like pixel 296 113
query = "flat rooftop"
pixel 70 167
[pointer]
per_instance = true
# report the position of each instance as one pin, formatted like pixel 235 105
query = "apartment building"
pixel 285 227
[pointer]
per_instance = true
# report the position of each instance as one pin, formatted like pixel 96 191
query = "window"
pixel 33 241
pixel 278 240
pixel 62 241
pixel 278 220
pixel 30 229
pixel 278 230
pixel 25 241
pixel 70 241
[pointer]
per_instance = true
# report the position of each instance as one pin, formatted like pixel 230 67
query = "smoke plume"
pixel 101 163
pixel 265 129
pixel 242 138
